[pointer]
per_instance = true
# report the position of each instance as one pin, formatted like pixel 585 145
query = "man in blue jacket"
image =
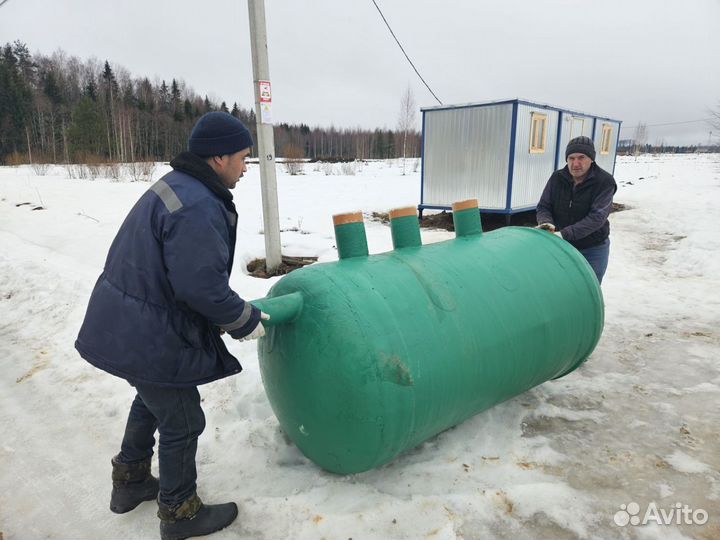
pixel 576 203
pixel 156 315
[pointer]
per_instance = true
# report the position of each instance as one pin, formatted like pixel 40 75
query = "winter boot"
pixel 132 484
pixel 193 518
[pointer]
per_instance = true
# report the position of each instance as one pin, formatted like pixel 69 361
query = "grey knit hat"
pixel 581 145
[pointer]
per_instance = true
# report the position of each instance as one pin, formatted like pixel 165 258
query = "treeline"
pixel 60 109
pixel 331 144
pixel 628 148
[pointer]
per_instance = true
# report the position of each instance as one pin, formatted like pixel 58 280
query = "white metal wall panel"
pixel 466 152
pixel 606 161
pixel 531 171
pixel 571 126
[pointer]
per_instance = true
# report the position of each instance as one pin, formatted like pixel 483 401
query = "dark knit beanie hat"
pixel 581 145
pixel 217 134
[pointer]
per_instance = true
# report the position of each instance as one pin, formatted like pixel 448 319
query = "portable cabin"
pixel 502 152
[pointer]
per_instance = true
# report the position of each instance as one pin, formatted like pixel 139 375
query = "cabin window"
pixel 606 139
pixel 538 133
pixel 576 128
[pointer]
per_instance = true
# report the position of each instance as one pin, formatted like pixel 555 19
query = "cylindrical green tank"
pixel 371 355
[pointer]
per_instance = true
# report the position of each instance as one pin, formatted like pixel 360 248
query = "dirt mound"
pixel 256 267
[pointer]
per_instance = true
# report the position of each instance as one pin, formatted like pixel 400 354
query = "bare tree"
pixel 406 120
pixel 640 138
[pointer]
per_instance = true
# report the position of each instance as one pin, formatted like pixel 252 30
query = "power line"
pixel 403 51
pixel 2 2
pixel 672 123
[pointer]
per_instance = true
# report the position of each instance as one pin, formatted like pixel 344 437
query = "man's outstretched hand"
pixel 259 330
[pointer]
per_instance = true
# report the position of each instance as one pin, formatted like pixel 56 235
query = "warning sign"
pixel 265 102
pixel 265 92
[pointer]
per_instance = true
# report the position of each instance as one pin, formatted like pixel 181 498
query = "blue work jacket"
pixel 156 312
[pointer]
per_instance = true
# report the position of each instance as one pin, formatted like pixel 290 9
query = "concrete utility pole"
pixel 266 140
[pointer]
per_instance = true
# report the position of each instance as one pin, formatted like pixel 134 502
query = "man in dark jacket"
pixel 576 203
pixel 156 316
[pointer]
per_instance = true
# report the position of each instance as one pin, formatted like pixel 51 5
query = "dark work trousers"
pixel 177 415
pixel 598 257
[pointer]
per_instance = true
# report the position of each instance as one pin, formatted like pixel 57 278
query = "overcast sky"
pixel 334 61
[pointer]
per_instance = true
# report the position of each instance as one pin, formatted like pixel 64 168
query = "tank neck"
pixel 404 227
pixel 466 218
pixel 350 236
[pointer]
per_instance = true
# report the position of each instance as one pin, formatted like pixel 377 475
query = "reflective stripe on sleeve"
pixel 167 195
pixel 241 320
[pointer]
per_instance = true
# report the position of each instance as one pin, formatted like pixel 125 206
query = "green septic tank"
pixel 369 356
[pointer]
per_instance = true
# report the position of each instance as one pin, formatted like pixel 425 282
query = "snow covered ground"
pixel 639 422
